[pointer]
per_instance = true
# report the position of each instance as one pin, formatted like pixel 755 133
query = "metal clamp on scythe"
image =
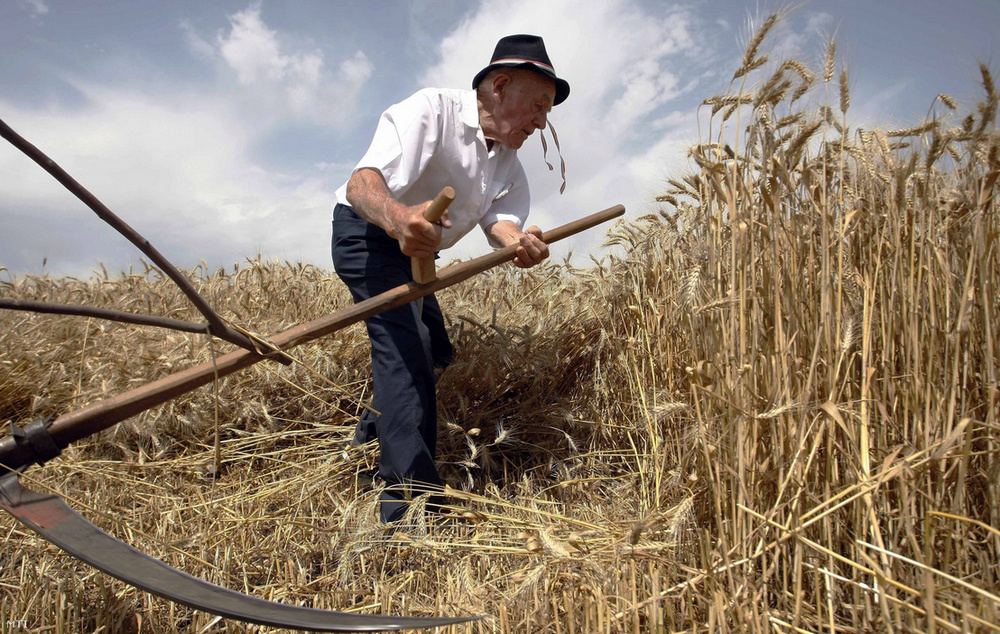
pixel 41 440
pixel 34 438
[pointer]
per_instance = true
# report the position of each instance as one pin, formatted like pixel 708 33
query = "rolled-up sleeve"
pixel 406 136
pixel 512 201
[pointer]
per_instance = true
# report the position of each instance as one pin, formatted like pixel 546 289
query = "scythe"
pixel 41 440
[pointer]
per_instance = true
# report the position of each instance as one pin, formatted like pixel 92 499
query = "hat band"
pixel 516 60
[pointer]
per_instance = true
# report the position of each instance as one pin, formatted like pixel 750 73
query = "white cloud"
pixel 177 161
pixel 251 49
pixel 277 78
pixel 820 23
pixel 624 63
pixel 35 7
pixel 177 168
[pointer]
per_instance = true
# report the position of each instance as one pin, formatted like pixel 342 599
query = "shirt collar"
pixel 470 109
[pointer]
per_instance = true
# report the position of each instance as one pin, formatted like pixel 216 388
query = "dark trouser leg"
pixel 441 355
pixel 406 347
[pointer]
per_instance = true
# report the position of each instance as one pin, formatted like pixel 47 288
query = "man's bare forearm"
pixel 530 250
pixel 370 197
pixel 504 232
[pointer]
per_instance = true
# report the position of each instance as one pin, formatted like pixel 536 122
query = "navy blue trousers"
pixel 407 346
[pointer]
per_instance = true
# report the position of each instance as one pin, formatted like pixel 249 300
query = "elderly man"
pixel 438 137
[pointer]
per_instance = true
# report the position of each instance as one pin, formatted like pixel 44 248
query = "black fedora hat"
pixel 524 51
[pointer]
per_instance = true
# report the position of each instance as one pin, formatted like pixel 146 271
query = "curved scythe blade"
pixel 53 519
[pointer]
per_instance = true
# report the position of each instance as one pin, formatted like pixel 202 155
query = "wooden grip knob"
pixel 424 270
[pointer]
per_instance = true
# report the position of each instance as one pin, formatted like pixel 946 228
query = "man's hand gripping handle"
pixel 424 270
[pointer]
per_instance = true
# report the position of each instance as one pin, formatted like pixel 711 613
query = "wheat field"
pixel 771 407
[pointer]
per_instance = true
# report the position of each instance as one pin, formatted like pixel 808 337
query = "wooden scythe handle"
pixel 424 270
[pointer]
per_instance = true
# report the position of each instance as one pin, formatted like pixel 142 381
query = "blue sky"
pixel 221 129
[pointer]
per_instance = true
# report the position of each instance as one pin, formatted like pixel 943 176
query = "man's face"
pixel 523 107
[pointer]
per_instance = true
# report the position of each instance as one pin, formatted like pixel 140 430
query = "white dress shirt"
pixel 433 139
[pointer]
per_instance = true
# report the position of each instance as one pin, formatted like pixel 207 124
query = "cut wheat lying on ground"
pixel 772 408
